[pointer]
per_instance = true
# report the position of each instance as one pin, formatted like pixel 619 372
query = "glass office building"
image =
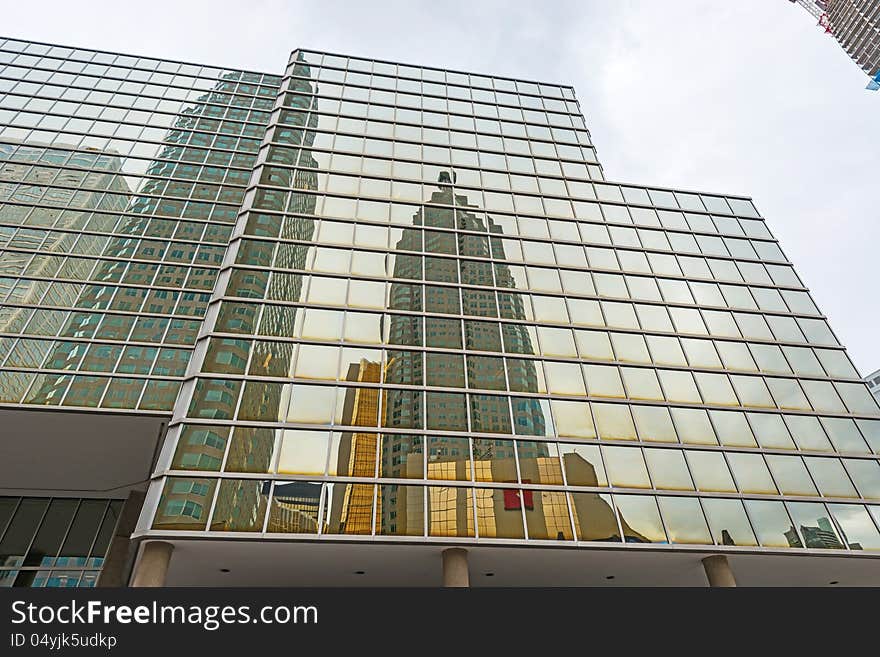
pixel 380 310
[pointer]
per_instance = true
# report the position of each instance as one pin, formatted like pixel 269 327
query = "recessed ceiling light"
pixel 609 576
pixel 224 570
pixel 490 574
pixel 360 572
pixel 833 582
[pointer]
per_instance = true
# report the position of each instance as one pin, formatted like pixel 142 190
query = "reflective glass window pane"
pixel 614 422
pixel 859 533
pixel 684 520
pixel 751 473
pixel 710 471
pixel 770 431
pixel 572 419
pixel 830 477
pixel 400 510
pixel 295 507
pixel 815 525
pixel 640 519
pixel 845 436
pixel 449 457
pixel 728 522
pixel 250 450
pixel 594 517
pixel 538 462
pixel 866 475
pixel 772 524
pixel 548 518
pixel 668 469
pixel 499 511
pixel 303 452
pixel 241 506
pixel 626 467
pixel 654 424
pixel 791 475
pixel 732 428
pixel 450 511
pixel 184 504
pixel 693 426
pixel 807 433
pixel 583 465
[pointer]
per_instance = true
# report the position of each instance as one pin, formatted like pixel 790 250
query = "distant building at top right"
pixel 873 381
pixel 856 26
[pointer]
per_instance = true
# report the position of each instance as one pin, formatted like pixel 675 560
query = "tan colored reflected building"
pixel 351 507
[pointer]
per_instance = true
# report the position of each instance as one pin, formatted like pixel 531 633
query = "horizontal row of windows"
pixel 50 578
pixel 105 91
pixel 416 125
pixel 58 167
pixel 58 186
pixel 145 221
pixel 82 325
pixel 303 96
pixel 410 197
pixel 450 371
pixel 736 467
pixel 110 78
pixel 88 391
pixel 438 151
pixel 430 145
pixel 103 297
pixel 365 328
pixel 454 458
pixel 124 270
pixel 109 121
pixel 460 86
pixel 66 188
pixel 157 185
pixel 305 58
pixel 219 163
pixel 482 339
pixel 513 165
pixel 203 147
pixel 122 231
pixel 598 221
pixel 28 353
pixel 455 115
pixel 362 294
pixel 41 50
pixel 512 513
pixel 437 410
pixel 142 110
pixel 548 266
pixel 574 283
pixel 484 170
pixel 122 246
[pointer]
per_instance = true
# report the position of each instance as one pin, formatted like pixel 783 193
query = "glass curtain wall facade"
pixel 120 182
pixel 436 319
pixel 395 303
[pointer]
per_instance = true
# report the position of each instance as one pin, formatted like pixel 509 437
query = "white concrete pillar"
pixel 455 568
pixel 152 567
pixel 718 571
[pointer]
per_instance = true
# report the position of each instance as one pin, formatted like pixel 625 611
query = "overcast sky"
pixel 745 97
